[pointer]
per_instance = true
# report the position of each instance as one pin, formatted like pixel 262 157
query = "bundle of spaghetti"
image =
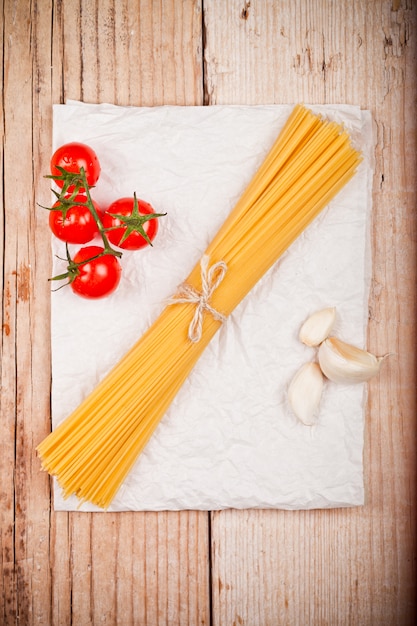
pixel 92 451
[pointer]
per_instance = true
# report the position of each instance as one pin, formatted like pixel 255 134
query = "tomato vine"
pixel 94 271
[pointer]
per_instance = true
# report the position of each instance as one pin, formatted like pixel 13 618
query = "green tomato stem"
pixel 107 247
pixel 78 182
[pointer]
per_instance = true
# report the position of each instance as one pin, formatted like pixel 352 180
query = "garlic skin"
pixel 317 327
pixel 305 391
pixel 343 363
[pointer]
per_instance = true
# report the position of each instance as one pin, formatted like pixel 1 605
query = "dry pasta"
pixel 93 450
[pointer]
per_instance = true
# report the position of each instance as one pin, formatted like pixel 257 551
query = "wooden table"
pixel 255 568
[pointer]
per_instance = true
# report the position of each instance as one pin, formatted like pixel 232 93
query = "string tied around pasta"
pixel 210 280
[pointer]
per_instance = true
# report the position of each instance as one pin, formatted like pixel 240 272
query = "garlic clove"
pixel 343 363
pixel 304 392
pixel 318 326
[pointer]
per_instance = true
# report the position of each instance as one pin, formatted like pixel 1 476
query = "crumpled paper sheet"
pixel 229 439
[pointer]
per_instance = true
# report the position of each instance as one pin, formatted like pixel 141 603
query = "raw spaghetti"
pixel 92 451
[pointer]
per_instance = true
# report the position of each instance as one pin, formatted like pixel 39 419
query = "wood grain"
pixel 59 568
pixel 25 331
pixel 229 568
pixel 346 566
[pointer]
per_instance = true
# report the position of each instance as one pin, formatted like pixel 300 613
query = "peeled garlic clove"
pixel 318 326
pixel 304 392
pixel 346 364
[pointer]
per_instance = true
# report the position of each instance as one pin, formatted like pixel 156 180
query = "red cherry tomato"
pixel 75 224
pixel 72 157
pixel 97 277
pixel 137 228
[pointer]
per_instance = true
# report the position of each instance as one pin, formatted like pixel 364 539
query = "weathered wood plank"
pixel 133 52
pixel 25 335
pixel 346 566
pixel 80 568
pixel 125 568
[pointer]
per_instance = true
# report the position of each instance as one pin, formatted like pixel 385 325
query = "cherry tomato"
pixel 98 277
pixel 137 228
pixel 72 157
pixel 75 224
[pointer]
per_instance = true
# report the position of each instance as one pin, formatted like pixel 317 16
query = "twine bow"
pixel 210 280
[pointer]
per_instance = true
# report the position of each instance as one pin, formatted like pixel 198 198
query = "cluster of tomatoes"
pixel 127 224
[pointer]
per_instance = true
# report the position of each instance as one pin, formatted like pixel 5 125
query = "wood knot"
pixel 245 11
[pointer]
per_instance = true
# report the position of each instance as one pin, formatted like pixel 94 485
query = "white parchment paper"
pixel 229 439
